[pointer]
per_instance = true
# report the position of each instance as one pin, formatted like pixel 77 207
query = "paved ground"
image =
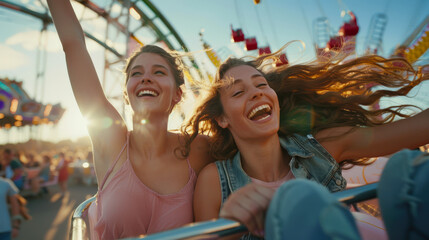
pixel 51 212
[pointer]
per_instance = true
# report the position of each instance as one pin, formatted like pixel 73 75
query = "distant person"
pixel 63 174
pixel 13 168
pixel 32 171
pixel 9 225
pixel 45 171
pixel 43 175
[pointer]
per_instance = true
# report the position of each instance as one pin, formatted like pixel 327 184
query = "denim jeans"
pixel 403 194
pixel 303 209
pixel 5 235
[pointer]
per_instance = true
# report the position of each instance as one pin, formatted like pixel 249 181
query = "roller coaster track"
pixel 46 19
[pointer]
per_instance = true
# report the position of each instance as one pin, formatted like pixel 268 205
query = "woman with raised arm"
pixel 301 121
pixel 144 184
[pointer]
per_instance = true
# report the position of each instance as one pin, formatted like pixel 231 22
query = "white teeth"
pixel 264 117
pixel 147 92
pixel 255 110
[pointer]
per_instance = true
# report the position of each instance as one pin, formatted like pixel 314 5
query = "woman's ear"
pixel 223 123
pixel 178 95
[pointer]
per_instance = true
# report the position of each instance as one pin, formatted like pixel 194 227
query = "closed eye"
pixel 237 93
pixel 135 73
pixel 159 72
pixel 262 85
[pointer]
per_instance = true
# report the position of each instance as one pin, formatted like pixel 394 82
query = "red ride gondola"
pixel 237 35
pixel 282 60
pixel 335 43
pixel 251 44
pixel 349 28
pixel 264 50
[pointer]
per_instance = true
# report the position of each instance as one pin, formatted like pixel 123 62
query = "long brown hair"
pixel 314 97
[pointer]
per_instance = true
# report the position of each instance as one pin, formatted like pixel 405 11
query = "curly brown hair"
pixel 313 97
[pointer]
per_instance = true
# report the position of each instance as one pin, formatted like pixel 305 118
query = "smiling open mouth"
pixel 260 113
pixel 147 93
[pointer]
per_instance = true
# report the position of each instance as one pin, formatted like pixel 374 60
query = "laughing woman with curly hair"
pixel 271 125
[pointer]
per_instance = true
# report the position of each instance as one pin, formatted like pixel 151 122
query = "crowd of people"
pixel 26 175
pixel 265 145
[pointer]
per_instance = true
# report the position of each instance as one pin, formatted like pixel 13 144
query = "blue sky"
pixel 272 22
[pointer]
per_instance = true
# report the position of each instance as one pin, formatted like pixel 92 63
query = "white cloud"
pixel 13 60
pixel 29 40
pixel 24 39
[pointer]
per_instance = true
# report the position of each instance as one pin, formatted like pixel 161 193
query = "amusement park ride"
pixel 139 22
pixel 18 109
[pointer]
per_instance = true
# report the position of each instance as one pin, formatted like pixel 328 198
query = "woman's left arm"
pixel 346 143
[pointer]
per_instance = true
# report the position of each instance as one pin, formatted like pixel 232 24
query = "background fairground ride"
pixel 121 26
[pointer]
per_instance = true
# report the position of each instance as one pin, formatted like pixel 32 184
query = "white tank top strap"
pixel 109 171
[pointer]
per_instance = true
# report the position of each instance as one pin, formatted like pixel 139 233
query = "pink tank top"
pixel 128 208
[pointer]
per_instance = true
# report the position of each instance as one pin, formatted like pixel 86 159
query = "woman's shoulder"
pixel 199 153
pixel 201 142
pixel 209 173
pixel 109 142
pixel 106 152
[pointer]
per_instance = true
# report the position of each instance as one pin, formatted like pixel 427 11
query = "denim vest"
pixel 308 160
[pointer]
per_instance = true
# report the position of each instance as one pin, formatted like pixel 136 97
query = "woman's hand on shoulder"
pixel 248 205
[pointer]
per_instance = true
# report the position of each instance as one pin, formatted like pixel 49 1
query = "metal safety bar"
pixel 357 194
pixel 214 228
pixel 78 229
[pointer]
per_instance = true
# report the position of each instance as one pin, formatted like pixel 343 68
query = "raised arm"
pixel 83 77
pixel 377 141
pixel 106 140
